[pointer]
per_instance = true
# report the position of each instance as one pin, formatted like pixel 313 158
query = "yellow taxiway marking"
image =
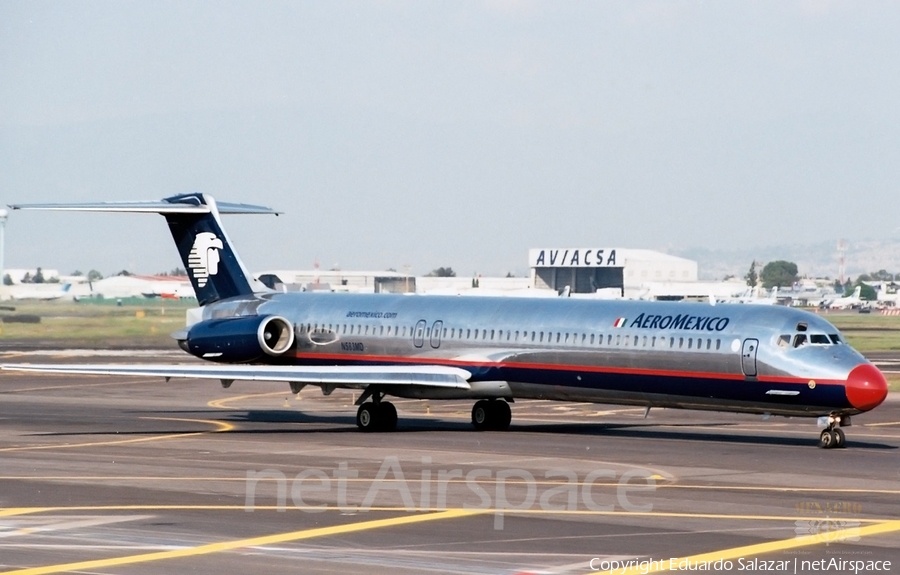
pixel 220 403
pixel 750 551
pixel 221 427
pixel 282 508
pixel 250 542
pixel 775 489
pixel 75 385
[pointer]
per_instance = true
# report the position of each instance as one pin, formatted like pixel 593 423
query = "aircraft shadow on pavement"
pixel 345 423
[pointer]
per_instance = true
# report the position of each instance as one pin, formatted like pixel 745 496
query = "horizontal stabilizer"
pixel 152 207
pixel 342 376
pixel 214 268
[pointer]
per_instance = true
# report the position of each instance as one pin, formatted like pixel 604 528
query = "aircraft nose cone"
pixel 866 387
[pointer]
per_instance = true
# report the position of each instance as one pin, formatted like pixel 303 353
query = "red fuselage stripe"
pixel 561 367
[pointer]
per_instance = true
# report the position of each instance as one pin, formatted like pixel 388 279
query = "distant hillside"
pixel 817 259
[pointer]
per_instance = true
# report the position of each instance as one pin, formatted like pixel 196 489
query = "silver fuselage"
pixel 659 354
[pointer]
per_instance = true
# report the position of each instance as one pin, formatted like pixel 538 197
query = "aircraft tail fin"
pixel 215 270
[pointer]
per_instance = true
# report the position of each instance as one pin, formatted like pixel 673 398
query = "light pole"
pixel 3 215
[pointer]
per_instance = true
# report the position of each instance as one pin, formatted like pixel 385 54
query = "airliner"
pixel 747 297
pixel 493 350
pixel 848 301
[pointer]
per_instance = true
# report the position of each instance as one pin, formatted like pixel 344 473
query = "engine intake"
pixel 239 339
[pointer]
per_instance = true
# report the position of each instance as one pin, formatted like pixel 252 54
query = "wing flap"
pixel 349 376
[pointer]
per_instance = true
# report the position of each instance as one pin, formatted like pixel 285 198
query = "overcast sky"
pixel 448 133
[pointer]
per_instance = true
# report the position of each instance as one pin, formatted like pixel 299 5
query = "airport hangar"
pixel 615 272
pixel 610 270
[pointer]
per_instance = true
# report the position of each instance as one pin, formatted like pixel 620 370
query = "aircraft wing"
pixel 340 376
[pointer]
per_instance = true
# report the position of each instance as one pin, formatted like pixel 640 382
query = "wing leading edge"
pixel 343 376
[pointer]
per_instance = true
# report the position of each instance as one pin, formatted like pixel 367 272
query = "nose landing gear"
pixel 832 437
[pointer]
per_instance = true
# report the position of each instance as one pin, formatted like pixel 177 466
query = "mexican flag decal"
pixel 620 322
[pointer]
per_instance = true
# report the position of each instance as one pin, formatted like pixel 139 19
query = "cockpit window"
pixel 819 339
pixel 835 339
pixel 784 340
pixel 799 339
pixel 801 326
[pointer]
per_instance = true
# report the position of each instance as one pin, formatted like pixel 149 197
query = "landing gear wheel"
pixel 840 440
pixel 367 417
pixel 481 415
pixel 832 438
pixel 387 416
pixel 502 415
pixel 826 439
pixel 491 414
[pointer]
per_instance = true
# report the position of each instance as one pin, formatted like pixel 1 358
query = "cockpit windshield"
pixel 800 339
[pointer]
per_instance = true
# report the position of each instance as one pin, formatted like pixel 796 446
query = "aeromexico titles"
pixel 753 359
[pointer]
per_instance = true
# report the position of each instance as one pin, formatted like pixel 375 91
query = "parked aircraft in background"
pixel 494 350
pixel 748 297
pixel 772 298
pixel 40 292
pixel 847 302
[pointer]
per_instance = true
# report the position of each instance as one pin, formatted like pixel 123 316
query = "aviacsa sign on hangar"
pixel 585 270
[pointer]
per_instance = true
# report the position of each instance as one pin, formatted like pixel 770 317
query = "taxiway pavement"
pixel 133 476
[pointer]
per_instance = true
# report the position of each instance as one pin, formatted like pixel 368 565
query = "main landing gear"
pixel 833 436
pixel 491 414
pixel 376 416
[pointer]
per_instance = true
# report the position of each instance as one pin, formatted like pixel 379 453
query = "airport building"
pixel 587 270
pixel 338 280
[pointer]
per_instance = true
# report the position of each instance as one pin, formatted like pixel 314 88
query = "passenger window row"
pixel 526 337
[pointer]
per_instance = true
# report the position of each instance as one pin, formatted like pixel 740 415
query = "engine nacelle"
pixel 239 339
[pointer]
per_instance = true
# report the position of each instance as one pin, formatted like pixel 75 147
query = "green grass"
pixel 893 380
pixel 868 332
pixel 97 323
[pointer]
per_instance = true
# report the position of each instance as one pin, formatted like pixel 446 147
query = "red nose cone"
pixel 866 387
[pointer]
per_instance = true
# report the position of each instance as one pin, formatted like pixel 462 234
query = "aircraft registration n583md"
pixel 737 358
